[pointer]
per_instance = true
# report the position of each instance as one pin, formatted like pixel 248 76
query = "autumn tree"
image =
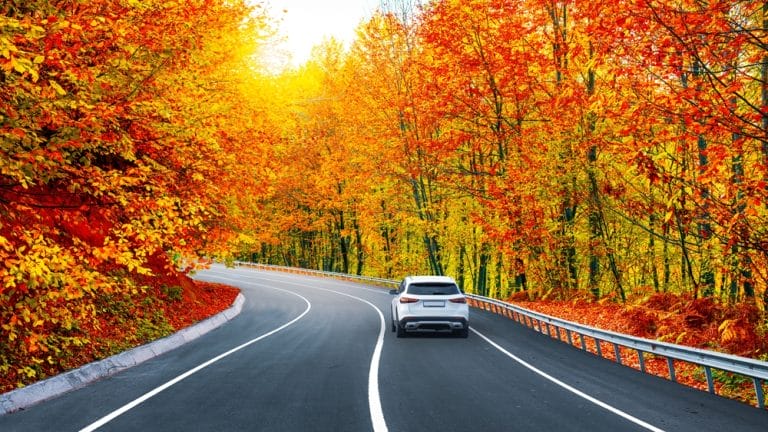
pixel 390 43
pixel 699 136
pixel 114 125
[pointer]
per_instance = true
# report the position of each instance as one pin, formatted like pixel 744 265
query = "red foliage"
pixel 640 321
pixel 201 300
pixel 663 301
pixel 701 323
pixel 172 298
pixel 700 312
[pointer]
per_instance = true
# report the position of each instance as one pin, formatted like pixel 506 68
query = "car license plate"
pixel 434 303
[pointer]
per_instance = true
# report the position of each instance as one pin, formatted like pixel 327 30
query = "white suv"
pixel 429 304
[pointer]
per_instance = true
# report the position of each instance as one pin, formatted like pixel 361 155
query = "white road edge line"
pixel 573 390
pixel 127 407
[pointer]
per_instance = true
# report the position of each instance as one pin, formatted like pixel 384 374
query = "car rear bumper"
pixel 433 323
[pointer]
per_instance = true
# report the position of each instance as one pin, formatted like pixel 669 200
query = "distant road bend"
pixel 315 354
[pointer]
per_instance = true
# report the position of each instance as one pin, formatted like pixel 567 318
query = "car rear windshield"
pixel 433 289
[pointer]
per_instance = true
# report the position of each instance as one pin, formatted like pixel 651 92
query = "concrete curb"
pixel 82 376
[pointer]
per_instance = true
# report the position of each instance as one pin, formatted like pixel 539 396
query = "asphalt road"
pixel 309 354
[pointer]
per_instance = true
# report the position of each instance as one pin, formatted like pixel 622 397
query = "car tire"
pixel 400 332
pixel 463 333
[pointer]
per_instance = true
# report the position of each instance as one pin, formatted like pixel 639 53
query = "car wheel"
pixel 400 332
pixel 464 333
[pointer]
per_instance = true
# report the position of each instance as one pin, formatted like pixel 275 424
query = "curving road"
pixel 310 354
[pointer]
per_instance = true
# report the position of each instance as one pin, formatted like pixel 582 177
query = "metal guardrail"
pixel 297 270
pixel 755 369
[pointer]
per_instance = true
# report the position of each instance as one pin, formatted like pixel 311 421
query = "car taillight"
pixel 408 300
pixel 458 300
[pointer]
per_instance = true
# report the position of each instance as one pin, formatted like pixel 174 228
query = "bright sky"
pixel 307 23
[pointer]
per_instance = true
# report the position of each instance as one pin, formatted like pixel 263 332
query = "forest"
pixel 545 146
pixel 532 149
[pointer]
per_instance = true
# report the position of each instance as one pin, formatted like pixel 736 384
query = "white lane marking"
pixel 573 390
pixel 127 407
pixel 373 290
pixel 374 398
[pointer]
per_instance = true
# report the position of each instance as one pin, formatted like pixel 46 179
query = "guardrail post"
pixel 710 381
pixel 641 360
pixel 759 392
pixel 549 330
pixel 617 352
pixel 599 348
pixel 583 342
pixel 671 367
pixel 557 332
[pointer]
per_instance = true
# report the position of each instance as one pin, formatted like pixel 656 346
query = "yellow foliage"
pixel 727 330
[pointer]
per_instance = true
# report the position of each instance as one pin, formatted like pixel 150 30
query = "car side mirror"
pixel 393 292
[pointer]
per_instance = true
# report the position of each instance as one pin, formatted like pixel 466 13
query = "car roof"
pixel 429 279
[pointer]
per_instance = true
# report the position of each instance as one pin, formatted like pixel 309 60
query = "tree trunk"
pixel 462 267
pixel 652 220
pixel 482 271
pixel 343 242
pixel 595 233
pixel 360 252
pixel 567 254
pixel 665 258
pixel 389 241
pixel 431 242
pixel 764 91
pixel 707 275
